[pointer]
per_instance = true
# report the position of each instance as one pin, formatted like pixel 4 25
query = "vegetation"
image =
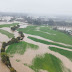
pixel 15 27
pixel 66 53
pixel 50 22
pixel 4 56
pixel 5 59
pixel 2 50
pixel 12 69
pixel 48 43
pixel 10 35
pixel 47 62
pixel 21 35
pixel 12 41
pixel 20 47
pixel 48 33
pixel 4 44
pixel 8 25
pixel 17 60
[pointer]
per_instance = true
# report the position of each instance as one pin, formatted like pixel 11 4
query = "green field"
pixel 10 35
pixel 47 62
pixel 48 43
pixel 8 25
pixel 20 47
pixel 66 53
pixel 48 33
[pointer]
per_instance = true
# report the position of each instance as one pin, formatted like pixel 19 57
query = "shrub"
pixel 2 49
pixel 5 59
pixel 22 35
pixel 4 44
pixel 18 38
pixel 8 64
pixel 21 38
pixel 12 69
pixel 13 28
pixel 9 42
pixel 14 40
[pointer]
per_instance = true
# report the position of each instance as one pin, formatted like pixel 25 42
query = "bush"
pixel 9 42
pixel 2 49
pixel 4 44
pixel 12 69
pixel 5 59
pixel 22 35
pixel 15 27
pixel 21 38
pixel 7 63
pixel 18 38
pixel 14 40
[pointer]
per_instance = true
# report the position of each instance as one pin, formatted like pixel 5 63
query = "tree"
pixel 9 42
pixel 21 34
pixel 51 22
pixel 4 44
pixel 18 38
pixel 2 49
pixel 5 59
pixel 14 40
pixel 12 69
pixel 13 28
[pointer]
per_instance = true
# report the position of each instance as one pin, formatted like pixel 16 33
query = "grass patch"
pixel 10 35
pixel 47 62
pixel 17 60
pixel 66 53
pixel 48 43
pixel 20 47
pixel 58 37
pixel 8 25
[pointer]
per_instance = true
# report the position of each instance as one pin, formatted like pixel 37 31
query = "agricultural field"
pixel 49 63
pixel 42 50
pixel 8 25
pixel 20 47
pixel 66 53
pixel 10 35
pixel 48 43
pixel 48 33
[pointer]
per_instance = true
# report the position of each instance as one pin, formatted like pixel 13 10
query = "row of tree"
pixel 50 22
pixel 4 57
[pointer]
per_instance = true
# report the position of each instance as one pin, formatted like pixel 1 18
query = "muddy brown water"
pixel 30 54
